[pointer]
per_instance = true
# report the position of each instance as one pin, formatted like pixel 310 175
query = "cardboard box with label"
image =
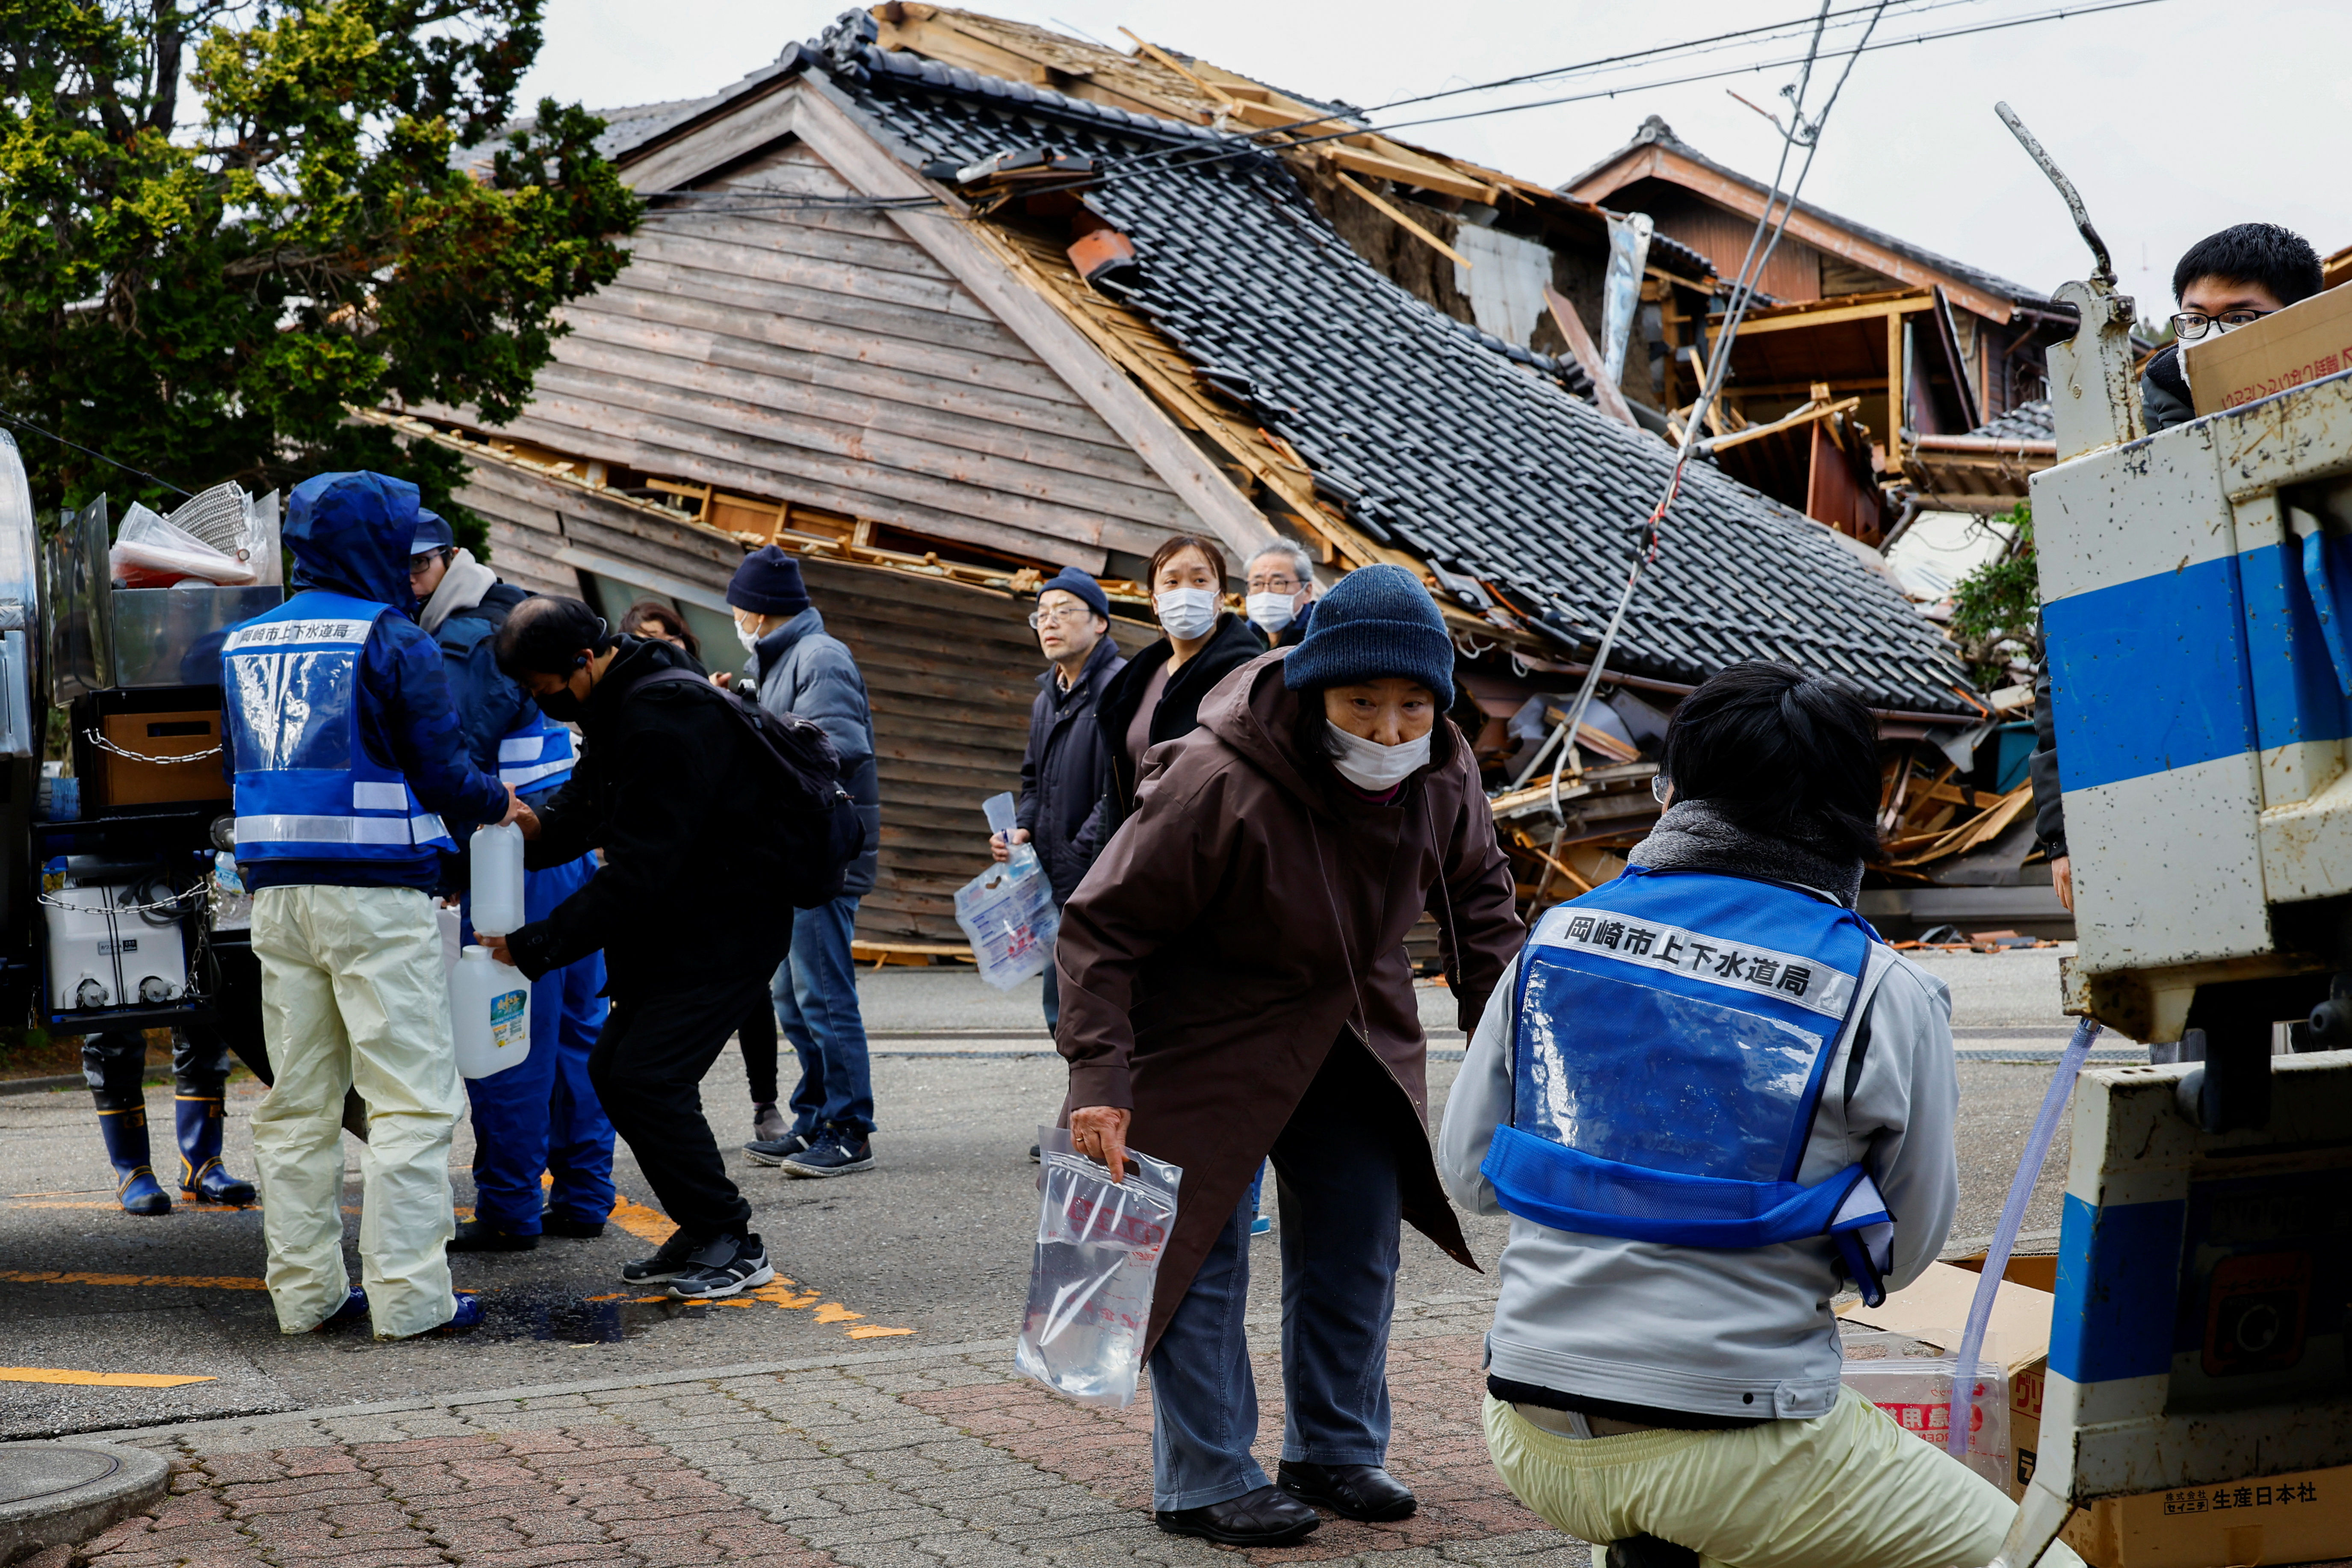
pixel 2309 340
pixel 2299 1518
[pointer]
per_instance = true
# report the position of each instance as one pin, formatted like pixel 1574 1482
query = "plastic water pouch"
pixel 1917 1391
pixel 1008 914
pixel 1099 1249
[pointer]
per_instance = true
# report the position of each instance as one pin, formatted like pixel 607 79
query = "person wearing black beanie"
pixel 1235 988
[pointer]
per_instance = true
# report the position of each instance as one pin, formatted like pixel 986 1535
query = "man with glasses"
pixel 2225 281
pixel 1066 769
pixel 1281 593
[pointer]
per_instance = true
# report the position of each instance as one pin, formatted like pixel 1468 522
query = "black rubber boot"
pixel 202 1180
pixel 135 1185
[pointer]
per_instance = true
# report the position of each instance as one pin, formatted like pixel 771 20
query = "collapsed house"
pixel 941 329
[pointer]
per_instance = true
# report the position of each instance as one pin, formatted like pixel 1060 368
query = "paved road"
pixel 927 1251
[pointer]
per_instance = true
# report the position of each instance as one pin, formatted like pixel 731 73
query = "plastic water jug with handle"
pixel 489 1012
pixel 497 879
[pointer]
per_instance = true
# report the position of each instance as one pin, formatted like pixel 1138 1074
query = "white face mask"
pixel 1270 613
pixel 1187 612
pixel 1370 766
pixel 747 634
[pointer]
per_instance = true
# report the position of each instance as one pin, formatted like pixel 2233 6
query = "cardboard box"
pixel 2309 340
pixel 2301 1518
pixel 136 767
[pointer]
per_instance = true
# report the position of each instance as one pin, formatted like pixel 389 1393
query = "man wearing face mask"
pixel 1281 594
pixel 682 910
pixel 1234 985
pixel 1158 696
pixel 801 672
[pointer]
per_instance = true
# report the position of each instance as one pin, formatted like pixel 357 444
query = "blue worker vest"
pixel 537 755
pixel 306 787
pixel 1674 1032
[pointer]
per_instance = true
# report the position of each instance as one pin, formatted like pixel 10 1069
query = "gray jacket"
pixel 804 673
pixel 1731 1333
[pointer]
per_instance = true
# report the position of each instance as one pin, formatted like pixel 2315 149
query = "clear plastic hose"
pixel 2004 1235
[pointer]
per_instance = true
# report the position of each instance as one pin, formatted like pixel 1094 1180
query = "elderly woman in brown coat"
pixel 1234 985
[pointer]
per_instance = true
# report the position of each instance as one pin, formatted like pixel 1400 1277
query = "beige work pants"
pixel 353 993
pixel 1851 1488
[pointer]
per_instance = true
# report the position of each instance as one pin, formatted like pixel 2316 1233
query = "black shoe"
pixel 728 1265
pixel 1263 1518
pixel 1352 1491
pixel 833 1154
pixel 666 1264
pixel 480 1235
pixel 1649 1551
pixel 578 1229
pixel 1035 1157
pixel 775 1151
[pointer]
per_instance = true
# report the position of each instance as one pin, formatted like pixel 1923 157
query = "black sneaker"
pixel 775 1151
pixel 479 1235
pixel 728 1265
pixel 665 1265
pixel 833 1154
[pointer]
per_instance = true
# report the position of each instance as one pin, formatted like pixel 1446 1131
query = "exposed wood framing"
pixel 1579 343
pixel 1396 214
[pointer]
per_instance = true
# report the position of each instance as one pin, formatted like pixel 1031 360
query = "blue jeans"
pixel 815 991
pixel 1336 1178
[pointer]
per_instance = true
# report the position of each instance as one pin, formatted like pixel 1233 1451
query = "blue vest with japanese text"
pixel 1674 1032
pixel 306 787
pixel 536 757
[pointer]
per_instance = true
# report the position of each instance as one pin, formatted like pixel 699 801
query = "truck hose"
pixel 2004 1235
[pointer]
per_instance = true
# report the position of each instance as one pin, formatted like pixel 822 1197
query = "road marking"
pixel 177 1281
pixel 651 1224
pixel 98 1379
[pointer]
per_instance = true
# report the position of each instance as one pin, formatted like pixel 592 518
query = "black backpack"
pixel 809 818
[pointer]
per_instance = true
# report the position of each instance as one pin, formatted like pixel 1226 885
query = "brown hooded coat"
pixel 1250 916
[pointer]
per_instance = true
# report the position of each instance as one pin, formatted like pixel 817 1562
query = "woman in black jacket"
pixel 1158 696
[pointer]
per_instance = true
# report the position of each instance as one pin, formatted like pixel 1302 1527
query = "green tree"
pixel 1997 609
pixel 224 222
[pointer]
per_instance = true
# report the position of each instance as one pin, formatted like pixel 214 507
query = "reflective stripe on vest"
pixel 1673 1036
pixel 537 755
pixel 306 786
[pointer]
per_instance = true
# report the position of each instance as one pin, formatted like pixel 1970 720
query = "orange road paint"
pixel 835 1312
pixel 169 1282
pixel 876 1332
pixel 98 1379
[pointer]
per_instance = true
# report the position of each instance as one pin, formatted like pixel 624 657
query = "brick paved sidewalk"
pixel 909 1459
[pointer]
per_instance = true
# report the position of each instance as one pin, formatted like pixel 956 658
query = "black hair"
pixel 1783 755
pixel 2279 259
pixel 545 634
pixel 668 622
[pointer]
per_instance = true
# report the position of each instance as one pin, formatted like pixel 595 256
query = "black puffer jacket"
pixel 2164 397
pixel 1066 769
pixel 686 893
pixel 1232 645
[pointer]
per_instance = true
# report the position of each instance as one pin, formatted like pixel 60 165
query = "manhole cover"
pixel 47 1468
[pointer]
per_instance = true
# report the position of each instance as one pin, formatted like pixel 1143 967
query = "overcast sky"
pixel 2175 119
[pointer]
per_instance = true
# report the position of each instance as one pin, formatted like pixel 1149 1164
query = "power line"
pixel 93 452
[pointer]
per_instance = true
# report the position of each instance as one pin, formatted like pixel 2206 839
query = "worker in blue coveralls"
pixel 542 1114
pixel 352 782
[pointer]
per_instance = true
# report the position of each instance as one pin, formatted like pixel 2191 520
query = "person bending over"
pixel 1717 1034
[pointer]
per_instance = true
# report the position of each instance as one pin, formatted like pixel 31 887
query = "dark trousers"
pixel 647 1070
pixel 1335 1175
pixel 756 1036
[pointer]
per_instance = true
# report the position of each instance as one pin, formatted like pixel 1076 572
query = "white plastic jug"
pixel 497 879
pixel 489 1012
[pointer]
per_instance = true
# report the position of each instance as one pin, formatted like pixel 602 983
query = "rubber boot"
pixel 201 1177
pixel 126 1145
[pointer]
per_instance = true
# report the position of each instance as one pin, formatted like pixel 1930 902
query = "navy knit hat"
pixel 1379 622
pixel 768 583
pixel 1072 581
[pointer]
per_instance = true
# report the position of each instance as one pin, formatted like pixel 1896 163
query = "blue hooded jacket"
pixel 350 533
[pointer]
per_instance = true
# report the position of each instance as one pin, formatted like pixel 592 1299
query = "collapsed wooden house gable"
pixel 844 330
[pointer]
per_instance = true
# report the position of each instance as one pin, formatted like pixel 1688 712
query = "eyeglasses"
pixel 2190 325
pixel 419 563
pixel 1274 585
pixel 1066 616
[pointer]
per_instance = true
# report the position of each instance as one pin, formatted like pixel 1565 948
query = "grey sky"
pixel 2175 119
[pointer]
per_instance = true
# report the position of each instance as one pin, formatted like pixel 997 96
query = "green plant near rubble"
pixel 224 222
pixel 1997 609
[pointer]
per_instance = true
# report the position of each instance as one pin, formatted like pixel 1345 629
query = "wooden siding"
pixel 950 670
pixel 1792 275
pixel 822 357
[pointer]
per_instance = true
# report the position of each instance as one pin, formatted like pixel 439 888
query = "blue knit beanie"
pixel 1379 622
pixel 768 583
pixel 1078 585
